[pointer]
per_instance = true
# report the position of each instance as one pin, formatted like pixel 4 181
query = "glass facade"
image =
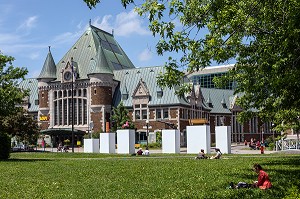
pixel 63 107
pixel 206 80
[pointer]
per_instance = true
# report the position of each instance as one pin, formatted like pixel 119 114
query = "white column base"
pixel 107 143
pixel 170 141
pixel 126 141
pixel 91 145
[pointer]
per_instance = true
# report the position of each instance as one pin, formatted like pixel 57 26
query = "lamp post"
pixel 147 133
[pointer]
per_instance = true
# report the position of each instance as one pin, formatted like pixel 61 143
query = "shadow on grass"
pixel 26 160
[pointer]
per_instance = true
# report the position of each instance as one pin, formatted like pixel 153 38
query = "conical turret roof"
pixel 49 68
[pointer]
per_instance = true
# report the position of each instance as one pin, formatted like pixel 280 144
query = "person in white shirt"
pixel 146 152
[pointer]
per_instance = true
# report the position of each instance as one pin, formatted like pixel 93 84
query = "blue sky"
pixel 28 27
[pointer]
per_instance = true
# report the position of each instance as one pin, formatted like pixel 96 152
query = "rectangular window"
pixel 137 115
pixel 158 113
pixel 60 112
pixel 65 122
pixel 166 113
pixel 55 113
pixel 80 111
pixel 144 105
pixel 84 111
pixel 144 114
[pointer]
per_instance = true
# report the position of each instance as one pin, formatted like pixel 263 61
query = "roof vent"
pixel 223 102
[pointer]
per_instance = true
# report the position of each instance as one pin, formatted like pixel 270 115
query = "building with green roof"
pixel 101 75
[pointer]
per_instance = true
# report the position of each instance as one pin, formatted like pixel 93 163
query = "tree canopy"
pixel 120 118
pixel 10 94
pixel 262 36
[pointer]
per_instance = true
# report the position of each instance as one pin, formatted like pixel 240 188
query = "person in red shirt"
pixel 263 178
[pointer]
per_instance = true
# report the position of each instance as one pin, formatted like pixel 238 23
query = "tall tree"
pixel 262 36
pixel 11 96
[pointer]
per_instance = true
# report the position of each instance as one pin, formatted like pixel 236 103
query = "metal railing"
pixel 287 144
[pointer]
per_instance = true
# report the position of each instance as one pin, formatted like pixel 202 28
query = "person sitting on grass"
pixel 218 155
pixel 147 152
pixel 263 181
pixel 201 155
pixel 139 152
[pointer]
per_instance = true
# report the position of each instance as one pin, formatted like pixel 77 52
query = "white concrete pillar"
pixel 126 141
pixel 91 145
pixel 170 141
pixel 198 137
pixel 107 143
pixel 223 138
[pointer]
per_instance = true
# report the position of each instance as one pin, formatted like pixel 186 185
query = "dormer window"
pixel 125 96
pixel 159 93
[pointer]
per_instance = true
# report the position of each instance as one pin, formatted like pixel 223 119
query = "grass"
pixel 68 175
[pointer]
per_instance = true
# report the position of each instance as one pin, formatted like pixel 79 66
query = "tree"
pixel 11 97
pixel 262 36
pixel 11 94
pixel 21 125
pixel 120 118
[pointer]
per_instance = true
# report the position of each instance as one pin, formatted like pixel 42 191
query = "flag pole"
pixel 72 88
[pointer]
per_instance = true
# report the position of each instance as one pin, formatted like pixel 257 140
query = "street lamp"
pixel 147 133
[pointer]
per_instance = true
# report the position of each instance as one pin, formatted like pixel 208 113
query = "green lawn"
pixel 67 175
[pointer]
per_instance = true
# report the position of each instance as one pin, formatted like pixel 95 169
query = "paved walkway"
pixel 235 149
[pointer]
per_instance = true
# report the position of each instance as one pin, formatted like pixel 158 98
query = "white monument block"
pixel 126 141
pixel 91 145
pixel 107 143
pixel 170 141
pixel 223 138
pixel 198 137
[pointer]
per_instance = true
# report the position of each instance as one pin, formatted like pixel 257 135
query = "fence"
pixel 287 144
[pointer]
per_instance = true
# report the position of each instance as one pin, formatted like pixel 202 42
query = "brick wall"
pixel 43 99
pixel 97 118
pixel 173 112
pixel 101 95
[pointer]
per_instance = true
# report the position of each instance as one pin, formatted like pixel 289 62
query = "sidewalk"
pixel 235 149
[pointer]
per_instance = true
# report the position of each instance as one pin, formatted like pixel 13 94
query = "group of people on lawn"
pixel 263 181
pixel 201 155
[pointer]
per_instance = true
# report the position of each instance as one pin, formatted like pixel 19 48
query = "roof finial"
pixel 112 32
pixel 90 22
pixel 49 48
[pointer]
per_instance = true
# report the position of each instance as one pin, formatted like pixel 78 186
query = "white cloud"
pixel 67 37
pixel 145 55
pixel 29 23
pixel 104 23
pixel 125 24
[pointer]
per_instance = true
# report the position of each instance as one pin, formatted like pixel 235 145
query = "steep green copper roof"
pixel 96 51
pixel 217 97
pixel 99 64
pixel 49 67
pixel 129 80
pixel 31 84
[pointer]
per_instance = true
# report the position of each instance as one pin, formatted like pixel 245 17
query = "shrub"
pixel 4 146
